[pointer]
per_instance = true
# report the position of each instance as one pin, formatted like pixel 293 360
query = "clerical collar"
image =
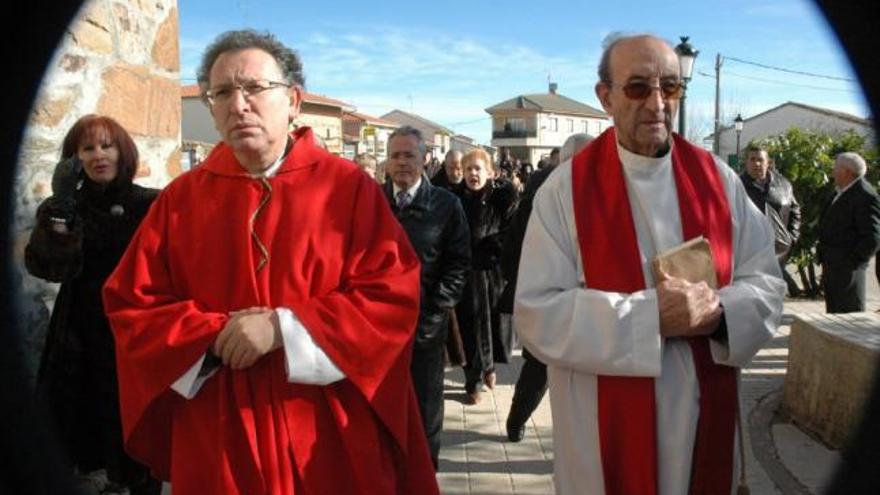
pixel 633 160
pixel 411 191
pixel 272 169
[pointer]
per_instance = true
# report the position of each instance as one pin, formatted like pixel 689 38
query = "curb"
pixel 761 420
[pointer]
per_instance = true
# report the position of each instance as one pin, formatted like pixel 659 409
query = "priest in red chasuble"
pixel 643 366
pixel 264 311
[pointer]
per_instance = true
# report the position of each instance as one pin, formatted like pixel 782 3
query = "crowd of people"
pixel 278 320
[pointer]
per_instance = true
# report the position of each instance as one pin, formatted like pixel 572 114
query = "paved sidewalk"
pixel 476 457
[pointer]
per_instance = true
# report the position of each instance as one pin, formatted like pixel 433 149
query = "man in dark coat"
pixel 849 234
pixel 437 228
pixel 532 382
pixel 773 195
pixel 451 175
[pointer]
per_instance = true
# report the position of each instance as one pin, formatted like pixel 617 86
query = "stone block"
pixel 49 112
pixel 166 47
pixel 143 103
pixel 92 29
pixel 831 366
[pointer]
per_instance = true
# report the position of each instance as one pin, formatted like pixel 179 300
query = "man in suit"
pixel 436 226
pixel 849 234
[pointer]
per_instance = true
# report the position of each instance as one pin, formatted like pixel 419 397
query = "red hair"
pixel 87 127
pixel 478 154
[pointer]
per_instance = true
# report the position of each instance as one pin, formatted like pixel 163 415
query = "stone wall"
pixel 118 58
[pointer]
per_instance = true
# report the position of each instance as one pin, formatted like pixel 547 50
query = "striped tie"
pixel 403 199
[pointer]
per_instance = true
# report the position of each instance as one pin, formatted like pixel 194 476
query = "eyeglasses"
pixel 222 94
pixel 638 90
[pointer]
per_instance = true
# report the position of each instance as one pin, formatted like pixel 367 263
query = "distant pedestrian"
pixel 849 235
pixel 451 175
pixel 774 196
pixel 488 203
pixel 532 382
pixel 438 231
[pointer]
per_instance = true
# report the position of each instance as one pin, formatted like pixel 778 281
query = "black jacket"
pixel 77 373
pixel 437 229
pixel 776 200
pixel 516 233
pixel 849 231
pixel 488 213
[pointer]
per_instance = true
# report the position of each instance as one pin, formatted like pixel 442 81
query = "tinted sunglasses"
pixel 638 90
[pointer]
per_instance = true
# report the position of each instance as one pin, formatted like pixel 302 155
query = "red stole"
pixel 610 254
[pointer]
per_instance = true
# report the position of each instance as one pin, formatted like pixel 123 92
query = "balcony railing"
pixel 513 134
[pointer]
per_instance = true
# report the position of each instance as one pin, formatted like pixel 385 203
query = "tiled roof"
pixel 391 116
pixel 824 111
pixel 362 117
pixel 548 102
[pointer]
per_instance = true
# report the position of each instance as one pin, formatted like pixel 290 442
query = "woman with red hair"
pixel 489 203
pixel 81 233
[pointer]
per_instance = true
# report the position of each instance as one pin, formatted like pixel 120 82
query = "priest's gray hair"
pixel 854 162
pixel 409 130
pixel 573 144
pixel 233 41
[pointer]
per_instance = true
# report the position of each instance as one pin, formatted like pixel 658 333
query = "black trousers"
pixel 844 289
pixel 530 389
pixel 427 375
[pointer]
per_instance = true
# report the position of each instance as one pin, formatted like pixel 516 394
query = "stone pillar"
pixel 118 58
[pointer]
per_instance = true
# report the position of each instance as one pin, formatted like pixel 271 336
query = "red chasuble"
pixel 610 255
pixel 318 238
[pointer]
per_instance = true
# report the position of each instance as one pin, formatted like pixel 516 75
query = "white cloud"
pixel 446 79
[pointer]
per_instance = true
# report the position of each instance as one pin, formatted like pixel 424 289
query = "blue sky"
pixel 449 60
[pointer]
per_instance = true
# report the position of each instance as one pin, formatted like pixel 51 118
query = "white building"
pixel 366 134
pixel 780 119
pixel 532 125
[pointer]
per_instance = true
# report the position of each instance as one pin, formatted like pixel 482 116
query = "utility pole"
pixel 716 141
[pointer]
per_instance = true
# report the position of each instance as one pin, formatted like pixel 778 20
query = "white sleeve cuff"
pixel 306 362
pixel 189 384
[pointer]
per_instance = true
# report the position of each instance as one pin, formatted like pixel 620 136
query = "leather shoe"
pixel 515 432
pixel 489 378
pixel 473 397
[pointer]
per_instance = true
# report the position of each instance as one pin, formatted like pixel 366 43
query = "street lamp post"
pixel 686 56
pixel 738 125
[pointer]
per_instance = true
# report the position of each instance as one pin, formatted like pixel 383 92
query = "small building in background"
pixel 530 126
pixel 366 134
pixel 438 139
pixel 781 118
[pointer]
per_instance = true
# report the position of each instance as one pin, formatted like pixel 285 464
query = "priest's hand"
pixel 687 309
pixel 248 335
